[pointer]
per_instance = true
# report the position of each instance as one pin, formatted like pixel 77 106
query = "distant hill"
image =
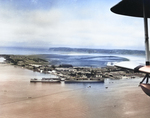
pixel 102 51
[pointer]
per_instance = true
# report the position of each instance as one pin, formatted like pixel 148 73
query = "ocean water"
pixel 112 99
pixel 80 57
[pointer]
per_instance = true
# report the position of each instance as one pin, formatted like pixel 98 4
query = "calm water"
pixel 80 58
pixel 21 99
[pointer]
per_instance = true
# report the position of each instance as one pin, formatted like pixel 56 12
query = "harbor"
pixel 91 92
pixel 67 72
pixel 85 100
pixel 74 59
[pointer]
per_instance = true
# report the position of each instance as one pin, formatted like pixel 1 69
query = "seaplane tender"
pixel 138 8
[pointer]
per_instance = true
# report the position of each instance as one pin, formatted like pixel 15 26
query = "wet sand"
pixel 21 99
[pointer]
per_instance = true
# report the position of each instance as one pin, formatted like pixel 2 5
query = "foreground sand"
pixel 114 99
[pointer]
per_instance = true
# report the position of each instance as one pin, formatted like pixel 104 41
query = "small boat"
pixel 51 80
pixel 35 80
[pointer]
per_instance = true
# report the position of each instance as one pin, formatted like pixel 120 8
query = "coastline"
pixel 113 99
pixel 38 64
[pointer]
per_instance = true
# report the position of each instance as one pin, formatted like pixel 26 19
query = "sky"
pixel 68 23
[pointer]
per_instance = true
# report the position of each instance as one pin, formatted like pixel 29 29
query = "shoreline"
pixel 113 99
pixel 66 71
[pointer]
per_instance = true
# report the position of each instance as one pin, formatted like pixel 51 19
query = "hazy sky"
pixel 68 23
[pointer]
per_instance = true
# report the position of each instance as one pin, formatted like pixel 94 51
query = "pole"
pixel 146 34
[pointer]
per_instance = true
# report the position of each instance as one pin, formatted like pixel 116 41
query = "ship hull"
pixel 84 81
pixel 46 80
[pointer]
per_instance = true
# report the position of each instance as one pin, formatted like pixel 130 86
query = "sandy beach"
pixel 113 99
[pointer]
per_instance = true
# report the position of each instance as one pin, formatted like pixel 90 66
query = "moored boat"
pixel 85 80
pixel 35 80
pixel 51 80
